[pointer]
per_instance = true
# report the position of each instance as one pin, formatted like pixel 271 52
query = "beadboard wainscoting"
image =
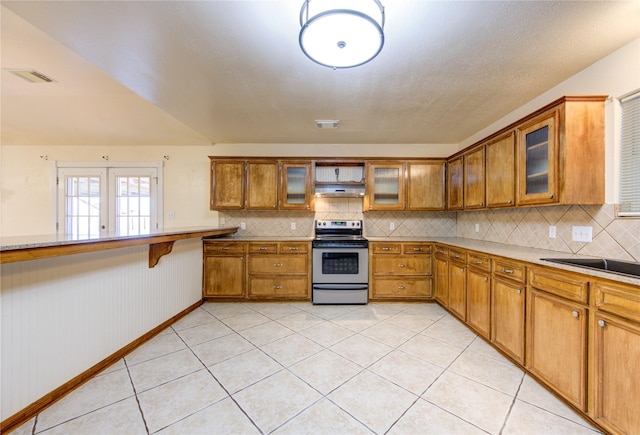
pixel 63 315
pixel 616 238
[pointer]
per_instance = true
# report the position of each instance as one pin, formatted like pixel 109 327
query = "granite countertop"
pixel 246 238
pixel 50 240
pixel 521 253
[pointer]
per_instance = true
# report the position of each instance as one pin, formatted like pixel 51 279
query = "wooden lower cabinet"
pixel 507 317
pixel 224 270
pixel 479 301
pixel 400 271
pixel 240 270
pixel 441 267
pixel 557 344
pixel 458 289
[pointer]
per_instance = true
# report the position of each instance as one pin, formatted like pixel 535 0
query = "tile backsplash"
pixel 617 238
pixel 613 237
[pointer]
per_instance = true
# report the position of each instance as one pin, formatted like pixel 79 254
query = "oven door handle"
pixel 340 286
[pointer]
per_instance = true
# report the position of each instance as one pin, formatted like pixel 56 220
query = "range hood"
pixel 340 190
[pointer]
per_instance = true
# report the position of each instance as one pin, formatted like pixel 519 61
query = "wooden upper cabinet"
pixel 227 185
pixel 500 171
pixel 455 183
pixel 425 185
pixel 296 186
pixel 474 180
pixel 262 185
pixel 561 154
pixel 385 186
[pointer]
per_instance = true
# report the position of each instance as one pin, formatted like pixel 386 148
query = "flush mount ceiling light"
pixel 341 33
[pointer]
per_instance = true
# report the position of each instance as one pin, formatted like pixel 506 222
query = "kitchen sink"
pixel 614 266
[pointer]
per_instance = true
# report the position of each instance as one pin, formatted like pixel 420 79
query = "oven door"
pixel 340 265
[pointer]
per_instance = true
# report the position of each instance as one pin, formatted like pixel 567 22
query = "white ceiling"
pixel 196 72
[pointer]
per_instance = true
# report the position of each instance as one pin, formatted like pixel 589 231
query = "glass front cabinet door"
pixel 537 158
pixel 385 186
pixel 296 186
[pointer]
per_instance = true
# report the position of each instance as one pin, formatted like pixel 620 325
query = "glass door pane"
pixel 296 179
pixel 386 186
pixel 537 161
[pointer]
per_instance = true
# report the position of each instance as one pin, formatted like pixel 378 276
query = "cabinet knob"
pixel 575 314
pixel 486 279
pixel 551 196
pixel 510 202
pixel 601 323
pixel 509 271
pixel 519 291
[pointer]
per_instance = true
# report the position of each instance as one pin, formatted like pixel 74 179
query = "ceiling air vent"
pixel 327 123
pixel 31 75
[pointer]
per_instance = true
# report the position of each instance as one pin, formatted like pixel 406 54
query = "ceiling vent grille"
pixel 31 75
pixel 327 123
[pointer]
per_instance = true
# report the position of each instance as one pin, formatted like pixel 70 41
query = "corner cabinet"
pixel 561 154
pixel 501 171
pixel 384 186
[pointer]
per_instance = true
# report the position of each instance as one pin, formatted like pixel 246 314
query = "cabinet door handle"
pixel 601 323
pixel 575 314
pixel 486 279
pixel 519 291
pixel 509 271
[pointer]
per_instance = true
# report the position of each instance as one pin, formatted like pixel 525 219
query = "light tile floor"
pixel 290 368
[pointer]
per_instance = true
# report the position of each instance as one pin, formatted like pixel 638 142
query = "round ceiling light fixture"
pixel 341 33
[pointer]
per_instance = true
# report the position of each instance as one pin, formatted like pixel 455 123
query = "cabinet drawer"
pixel 509 270
pixel 278 264
pixel 570 286
pixel 294 248
pixel 416 248
pixel 263 248
pixel 618 299
pixel 386 248
pixel 210 247
pixel 279 286
pixel 479 261
pixel 401 265
pixel 458 255
pixel 402 288
pixel 442 251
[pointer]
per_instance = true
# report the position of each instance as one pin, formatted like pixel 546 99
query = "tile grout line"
pixel 135 394
pixel 513 403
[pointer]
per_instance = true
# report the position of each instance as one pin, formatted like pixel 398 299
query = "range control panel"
pixel 352 224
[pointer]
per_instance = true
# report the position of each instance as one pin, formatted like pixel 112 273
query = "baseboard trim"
pixel 47 400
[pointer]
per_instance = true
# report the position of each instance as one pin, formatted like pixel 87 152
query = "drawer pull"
pixel 601 323
pixel 278 264
pixel 509 271
pixel 417 249
pixel 479 262
pixel 575 314
pixel 386 249
pixel 457 256
pixel 401 287
pixel 224 248
pixel 277 286
pixel 402 265
pixel 293 249
pixel 262 248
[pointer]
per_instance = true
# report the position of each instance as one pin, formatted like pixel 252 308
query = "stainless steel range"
pixel 340 263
